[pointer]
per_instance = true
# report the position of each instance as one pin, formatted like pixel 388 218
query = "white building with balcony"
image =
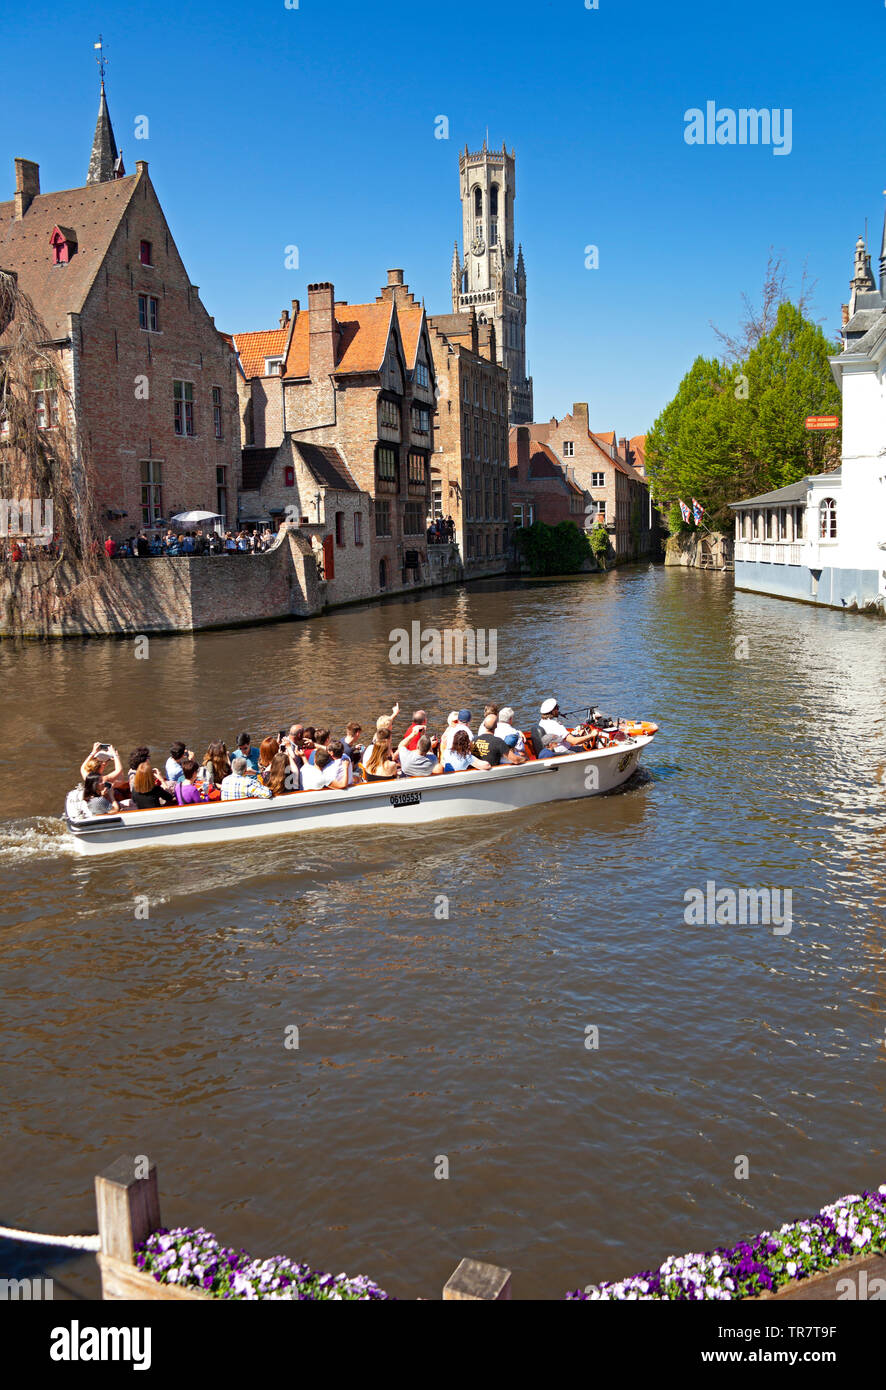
pixel 823 538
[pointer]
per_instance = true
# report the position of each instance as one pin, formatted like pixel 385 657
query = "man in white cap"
pixel 549 723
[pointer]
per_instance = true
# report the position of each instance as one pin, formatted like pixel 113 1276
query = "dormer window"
pixel 145 253
pixel 273 366
pixel 64 245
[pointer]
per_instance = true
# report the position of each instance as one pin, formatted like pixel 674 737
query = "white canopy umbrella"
pixel 194 518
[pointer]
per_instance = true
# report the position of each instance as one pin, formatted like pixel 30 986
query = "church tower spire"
pixel 883 257
pixel 105 163
pixel 456 277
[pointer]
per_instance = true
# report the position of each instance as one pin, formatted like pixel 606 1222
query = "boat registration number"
pixel 406 799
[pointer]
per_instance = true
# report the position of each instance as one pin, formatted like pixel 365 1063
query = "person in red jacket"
pixel 111 547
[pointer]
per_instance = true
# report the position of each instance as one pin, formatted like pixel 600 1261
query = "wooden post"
pixel 128 1207
pixel 475 1280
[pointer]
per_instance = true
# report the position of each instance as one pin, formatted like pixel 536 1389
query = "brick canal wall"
pixel 181 593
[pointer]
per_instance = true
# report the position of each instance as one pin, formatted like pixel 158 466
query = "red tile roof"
pixel 255 347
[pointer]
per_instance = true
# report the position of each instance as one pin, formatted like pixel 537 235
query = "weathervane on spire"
pixel 101 59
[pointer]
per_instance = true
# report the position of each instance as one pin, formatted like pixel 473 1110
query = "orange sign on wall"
pixel 822 422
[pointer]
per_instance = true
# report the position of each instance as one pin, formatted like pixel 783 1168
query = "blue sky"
pixel 314 127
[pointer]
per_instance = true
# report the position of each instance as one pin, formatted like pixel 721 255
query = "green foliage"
pixel 599 543
pixel 560 549
pixel 736 431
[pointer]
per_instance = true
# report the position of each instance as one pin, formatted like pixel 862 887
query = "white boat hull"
pixel 400 802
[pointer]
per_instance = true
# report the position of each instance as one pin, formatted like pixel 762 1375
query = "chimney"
pixel 284 318
pixel 296 308
pixel 580 415
pixel 523 454
pixel 27 185
pixel 395 277
pixel 624 449
pixel 321 307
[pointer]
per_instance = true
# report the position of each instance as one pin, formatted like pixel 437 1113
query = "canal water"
pixel 470 1037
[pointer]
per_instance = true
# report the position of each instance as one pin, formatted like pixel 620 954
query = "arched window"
pixel 382 574
pixel 493 200
pixel 827 519
pixel 478 202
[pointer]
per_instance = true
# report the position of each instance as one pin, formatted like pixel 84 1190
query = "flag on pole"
pixel 684 510
pixel 97 45
pixel 697 511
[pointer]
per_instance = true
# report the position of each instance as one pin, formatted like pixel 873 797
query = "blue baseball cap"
pixel 512 740
pixel 464 716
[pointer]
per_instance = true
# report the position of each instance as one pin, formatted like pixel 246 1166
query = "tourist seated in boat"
pixel 418 727
pixel 104 760
pixel 491 749
pixel 351 741
pixel 216 766
pixel 98 795
pixel 458 720
pixel 505 727
pixel 549 723
pixel 420 761
pixel 187 789
pixel 268 750
pixel 336 771
pixel 311 776
pixel 245 750
pixel 136 758
pixel 148 791
pixel 240 784
pixel 284 774
pixel 552 746
pixel 460 758
pixel 177 752
pixel 378 763
pixel 321 740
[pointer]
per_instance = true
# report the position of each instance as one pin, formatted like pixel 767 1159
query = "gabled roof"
pixel 361 341
pixel 94 212
pixel 607 437
pixel 253 348
pixel 326 465
pixel 365 329
pixel 410 320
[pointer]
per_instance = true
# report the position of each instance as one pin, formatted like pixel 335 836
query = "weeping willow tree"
pixel 50 562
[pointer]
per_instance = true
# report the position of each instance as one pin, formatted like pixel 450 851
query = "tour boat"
pixel 396 802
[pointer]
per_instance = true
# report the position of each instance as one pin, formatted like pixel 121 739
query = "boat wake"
pixel 35 837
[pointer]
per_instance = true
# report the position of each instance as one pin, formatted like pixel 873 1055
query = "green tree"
pixel 735 431
pixel 560 549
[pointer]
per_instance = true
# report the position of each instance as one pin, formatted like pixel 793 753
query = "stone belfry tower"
pixel 488 279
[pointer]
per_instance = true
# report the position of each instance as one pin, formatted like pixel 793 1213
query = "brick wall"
pixel 177 594
pixel 119 364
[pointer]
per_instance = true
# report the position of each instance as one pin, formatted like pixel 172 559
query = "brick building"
pixel 151 379
pixel 541 488
pixel 618 494
pixel 357 379
pixel 470 471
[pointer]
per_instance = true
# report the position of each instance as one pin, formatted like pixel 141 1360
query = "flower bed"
pixel 849 1228
pixel 194 1259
